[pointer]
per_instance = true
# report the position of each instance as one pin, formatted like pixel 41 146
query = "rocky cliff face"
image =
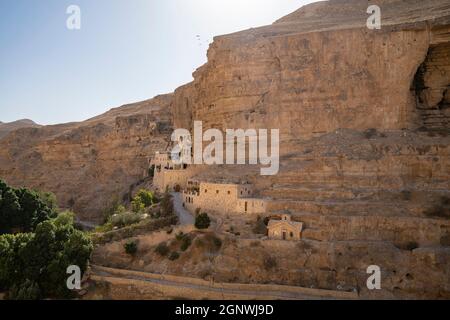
pixel 90 163
pixel 364 121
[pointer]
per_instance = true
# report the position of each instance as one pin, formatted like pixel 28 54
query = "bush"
pixel 440 210
pixel 370 133
pixel 137 206
pixel 179 236
pixel 202 221
pixel 186 243
pixel 111 209
pixel 23 209
pixel 29 290
pixel 217 242
pixel 162 249
pixel 270 263
pixel 151 171
pixel 146 197
pixel 174 256
pixel 131 247
pixel 409 246
pixel 260 227
pixel 125 219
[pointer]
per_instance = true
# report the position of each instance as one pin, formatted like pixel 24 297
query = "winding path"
pixel 184 216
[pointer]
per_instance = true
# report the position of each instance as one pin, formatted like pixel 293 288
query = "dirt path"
pixel 222 291
pixel 184 216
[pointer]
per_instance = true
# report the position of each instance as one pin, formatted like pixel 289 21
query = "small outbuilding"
pixel 285 229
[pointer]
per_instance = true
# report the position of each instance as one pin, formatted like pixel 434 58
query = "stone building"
pixel 222 197
pixel 285 229
pixel 167 174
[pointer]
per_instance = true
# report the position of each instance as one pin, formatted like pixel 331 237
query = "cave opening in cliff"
pixel 431 86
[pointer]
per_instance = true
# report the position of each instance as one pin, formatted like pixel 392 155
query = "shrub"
pixel 255 243
pixel 151 171
pixel 111 209
pixel 406 195
pixel 137 206
pixel 131 247
pixel 23 209
pixel 146 197
pixel 29 290
pixel 162 249
pixel 186 243
pixel 370 133
pixel 440 210
pixel 259 227
pixel 411 245
pixel 174 256
pixel 202 221
pixel 125 219
pixel 270 263
pixel 179 236
pixel 217 242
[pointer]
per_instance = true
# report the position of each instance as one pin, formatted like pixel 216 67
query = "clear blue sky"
pixel 126 51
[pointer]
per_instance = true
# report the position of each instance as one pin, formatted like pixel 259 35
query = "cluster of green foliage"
pixel 131 247
pixel 33 265
pixel 209 242
pixel 21 210
pixel 151 171
pixel 124 219
pixel 202 221
pixel 174 256
pixel 162 249
pixel 143 199
pixel 185 240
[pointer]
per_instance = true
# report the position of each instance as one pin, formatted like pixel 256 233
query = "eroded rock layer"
pixel 88 164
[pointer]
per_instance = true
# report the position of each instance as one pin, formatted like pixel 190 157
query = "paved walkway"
pixel 184 216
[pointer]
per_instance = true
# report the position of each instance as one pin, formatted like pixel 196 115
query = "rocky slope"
pixel 6 128
pixel 88 164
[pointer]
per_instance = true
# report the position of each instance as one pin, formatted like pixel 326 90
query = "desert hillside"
pixel 5 128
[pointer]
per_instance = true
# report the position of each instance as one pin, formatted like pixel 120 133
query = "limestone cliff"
pixel 90 163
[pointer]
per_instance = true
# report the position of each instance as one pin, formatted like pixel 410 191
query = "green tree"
pixel 202 221
pixel 137 206
pixel 42 258
pixel 22 209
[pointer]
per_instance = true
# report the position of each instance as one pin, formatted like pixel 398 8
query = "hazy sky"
pixel 126 51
